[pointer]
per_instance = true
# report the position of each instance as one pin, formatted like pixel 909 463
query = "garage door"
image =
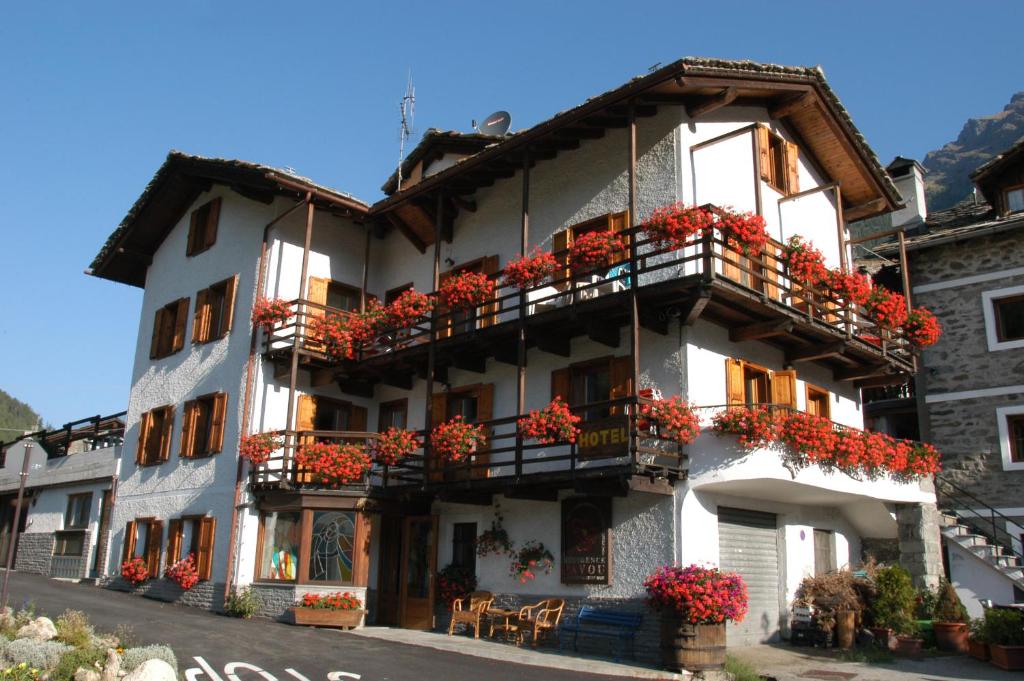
pixel 747 544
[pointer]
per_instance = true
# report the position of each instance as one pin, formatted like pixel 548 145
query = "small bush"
pixel 242 603
pixel 1004 627
pixel 73 628
pixel 894 601
pixel 740 670
pixel 20 672
pixel 948 607
pixel 133 657
pixel 42 655
pixel 72 660
pixel 126 637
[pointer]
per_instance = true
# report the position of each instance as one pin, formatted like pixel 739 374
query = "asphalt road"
pixel 212 647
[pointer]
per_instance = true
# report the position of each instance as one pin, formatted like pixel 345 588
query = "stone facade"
pixel 207 595
pixel 920 543
pixel 35 549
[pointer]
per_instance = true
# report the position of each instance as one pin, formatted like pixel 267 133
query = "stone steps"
pixel 998 557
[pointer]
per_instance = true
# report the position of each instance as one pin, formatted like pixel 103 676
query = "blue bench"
pixel 590 621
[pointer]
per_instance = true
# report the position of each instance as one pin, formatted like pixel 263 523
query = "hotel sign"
pixel 603 438
pixel 586 540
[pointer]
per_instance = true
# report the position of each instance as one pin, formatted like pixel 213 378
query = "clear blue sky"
pixel 95 94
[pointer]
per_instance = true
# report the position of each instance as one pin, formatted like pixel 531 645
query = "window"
pixel 202 227
pixel 393 414
pixel 332 547
pixel 464 546
pixel 1009 315
pixel 169 329
pixel 599 380
pixel 202 431
pixel 343 297
pixel 750 384
pixel 279 546
pixel 778 161
pixel 331 415
pixel 1015 200
pixel 824 552
pixel 192 535
pixel 1010 422
pixel 391 295
pixel 461 321
pixel 562 241
pixel 142 539
pixel 155 436
pixel 71 540
pixel 1015 427
pixel 214 311
pixel 819 402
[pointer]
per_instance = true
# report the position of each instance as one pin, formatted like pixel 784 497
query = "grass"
pixel 869 655
pixel 740 670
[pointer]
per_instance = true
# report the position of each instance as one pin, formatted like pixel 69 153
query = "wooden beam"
pixel 883 380
pixel 607 121
pixel 864 209
pixel 808 353
pixel 533 494
pixel 472 498
pixel 398 379
pixel 321 377
pixel 555 343
pixel 506 353
pixel 712 103
pixel 773 327
pixel 790 105
pixel 603 333
pixel 407 232
pixel 356 387
pixel 469 362
pixel 654 322
pixel 639 111
pixel 642 483
pixel 864 371
pixel 468 205
pixel 281 369
pixel 581 133
pixel 692 309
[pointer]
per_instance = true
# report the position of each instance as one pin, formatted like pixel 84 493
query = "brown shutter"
pixel 438 414
pixel 145 428
pixel 444 315
pixel 357 418
pixel 212 220
pixel 561 242
pixel 201 317
pixel 304 420
pixel 735 393
pixel 175 532
pixel 217 417
pixel 193 232
pixel 784 388
pixel 229 305
pixel 154 537
pixel 206 529
pixel 165 434
pixel 792 168
pixel 487 312
pixel 180 320
pixel 316 292
pixel 188 428
pixel 621 380
pixel 561 384
pixel 484 412
pixel 619 223
pixel 764 145
pixel 361 550
pixel 770 256
pixel 129 541
pixel 158 327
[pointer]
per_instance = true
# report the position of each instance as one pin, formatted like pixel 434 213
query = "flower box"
pixel 322 617
pixel 1010 658
pixel 977 649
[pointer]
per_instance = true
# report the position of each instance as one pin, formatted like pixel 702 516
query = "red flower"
pixel 530 559
pixel 258 448
pixel 394 444
pixel 409 308
pixel 701 595
pixel 757 427
pixel 804 263
pixel 888 309
pixel 554 423
pixel 334 464
pixel 852 288
pixel 454 440
pixel 742 231
pixel 268 313
pixel 671 227
pixel 466 290
pixel 184 572
pixel 335 601
pixel 135 571
pixel 529 271
pixel 922 328
pixel 596 250
pixel 676 419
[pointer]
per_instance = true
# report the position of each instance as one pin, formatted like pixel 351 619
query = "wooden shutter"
pixel 770 256
pixel 764 145
pixel 201 317
pixel 229 305
pixel 357 418
pixel 316 292
pixel 180 320
pixel 484 412
pixel 217 417
pixel 561 242
pixel 792 168
pixel 129 541
pixel 193 232
pixel 188 428
pixel 158 327
pixel 487 312
pixel 621 380
pixel 145 432
pixel 438 414
pixel 154 537
pixel 175 533
pixel 618 223
pixel 206 529
pixel 304 419
pixel 165 434
pixel 784 388
pixel 561 384
pixel 735 391
pixel 212 220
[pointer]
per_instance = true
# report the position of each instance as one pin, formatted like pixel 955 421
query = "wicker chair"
pixel 541 618
pixel 470 610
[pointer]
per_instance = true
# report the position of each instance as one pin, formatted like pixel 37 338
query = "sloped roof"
pixel 966 220
pixel 440 141
pixel 999 161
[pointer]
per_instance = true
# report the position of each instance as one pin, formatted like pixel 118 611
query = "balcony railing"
pixel 88 434
pixel 703 260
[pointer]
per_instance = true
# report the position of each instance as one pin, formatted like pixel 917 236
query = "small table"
pixel 506 615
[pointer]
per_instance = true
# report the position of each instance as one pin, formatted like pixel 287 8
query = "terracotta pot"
pixel 846 628
pixel 951 636
pixel 908 646
pixel 693 647
pixel 1010 658
pixel 322 617
pixel 884 637
pixel 977 649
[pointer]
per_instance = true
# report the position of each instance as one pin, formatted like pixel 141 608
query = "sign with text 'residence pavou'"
pixel 586 540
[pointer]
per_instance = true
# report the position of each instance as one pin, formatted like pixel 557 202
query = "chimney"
pixel 908 175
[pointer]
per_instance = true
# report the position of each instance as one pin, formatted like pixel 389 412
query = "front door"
pixel 389 577
pixel 419 563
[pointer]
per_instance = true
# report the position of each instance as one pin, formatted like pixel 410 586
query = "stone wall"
pixel 206 595
pixel 275 599
pixel 920 543
pixel 34 552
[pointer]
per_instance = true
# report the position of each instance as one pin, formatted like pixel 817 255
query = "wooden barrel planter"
pixel 693 647
pixel 846 629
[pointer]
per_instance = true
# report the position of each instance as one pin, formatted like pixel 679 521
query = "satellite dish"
pixel 495 124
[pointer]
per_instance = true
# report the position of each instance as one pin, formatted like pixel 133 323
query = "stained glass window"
pixel 331 546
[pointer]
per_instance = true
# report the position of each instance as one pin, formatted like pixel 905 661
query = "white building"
pixel 208 237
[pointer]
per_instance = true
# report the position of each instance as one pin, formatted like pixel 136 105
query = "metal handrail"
pixel 988 516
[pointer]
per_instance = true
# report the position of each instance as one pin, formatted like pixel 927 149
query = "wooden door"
pixel 389 576
pixel 419 564
pixel 316 294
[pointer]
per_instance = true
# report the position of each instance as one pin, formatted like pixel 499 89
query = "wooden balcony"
pixel 752 296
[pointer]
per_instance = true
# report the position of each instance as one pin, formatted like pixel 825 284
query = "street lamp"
pixel 17 519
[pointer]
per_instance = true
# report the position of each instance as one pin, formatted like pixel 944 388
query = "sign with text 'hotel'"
pixel 603 438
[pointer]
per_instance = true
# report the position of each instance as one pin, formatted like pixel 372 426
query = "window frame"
pixel 204 222
pixel 990 300
pixel 360 547
pixel 812 392
pixel 165 340
pixel 1009 418
pixel 456 543
pixel 399 405
pixel 162 454
pixel 175 543
pixel 214 427
pixel 1006 199
pixel 775 162
pixel 88 510
pixel 225 291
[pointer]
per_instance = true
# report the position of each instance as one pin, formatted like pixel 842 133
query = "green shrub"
pixel 740 670
pixel 242 603
pixel 20 672
pixel 73 628
pixel 133 657
pixel 72 660
pixel 977 629
pixel 1004 627
pixel 893 604
pixel 925 602
pixel 43 655
pixel 948 607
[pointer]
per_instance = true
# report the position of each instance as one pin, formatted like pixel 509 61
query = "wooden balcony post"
pixel 366 271
pixel 844 265
pixel 299 321
pixel 634 278
pixel 524 243
pixel 428 462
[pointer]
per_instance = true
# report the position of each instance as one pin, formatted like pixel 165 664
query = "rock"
pixel 83 674
pixel 39 629
pixel 113 666
pixel 153 670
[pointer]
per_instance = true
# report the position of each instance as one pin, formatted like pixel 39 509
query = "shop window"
pixel 332 547
pixel 464 546
pixel 279 546
pixel 202 228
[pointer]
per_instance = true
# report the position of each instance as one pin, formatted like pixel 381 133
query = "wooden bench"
pixel 609 623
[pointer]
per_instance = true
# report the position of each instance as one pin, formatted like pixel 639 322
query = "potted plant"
pixel 951 619
pixel 757 427
pixel 977 643
pixel 553 424
pixel 408 308
pixel 804 263
pixel 695 604
pixel 529 560
pixel 184 572
pixel 676 419
pixel 596 250
pixel 671 227
pixel 343 610
pixel 922 329
pixel 268 313
pixel 1004 630
pixel 455 440
pixel 466 290
pixel 529 271
pixel 494 540
pixel 135 571
pixel 892 610
pixel 257 448
pixel 454 582
pixel 334 464
pixel 836 601
pixel 743 232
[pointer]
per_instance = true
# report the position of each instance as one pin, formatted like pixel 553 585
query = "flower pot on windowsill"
pixel 951 636
pixel 322 617
pixel 908 646
pixel 1010 658
pixel 977 649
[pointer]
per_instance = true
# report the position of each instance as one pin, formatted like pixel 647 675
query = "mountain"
pixel 15 417
pixel 948 180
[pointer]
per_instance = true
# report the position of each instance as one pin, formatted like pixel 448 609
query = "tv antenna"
pixel 408 108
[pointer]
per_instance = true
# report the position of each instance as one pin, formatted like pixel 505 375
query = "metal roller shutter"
pixel 748 544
